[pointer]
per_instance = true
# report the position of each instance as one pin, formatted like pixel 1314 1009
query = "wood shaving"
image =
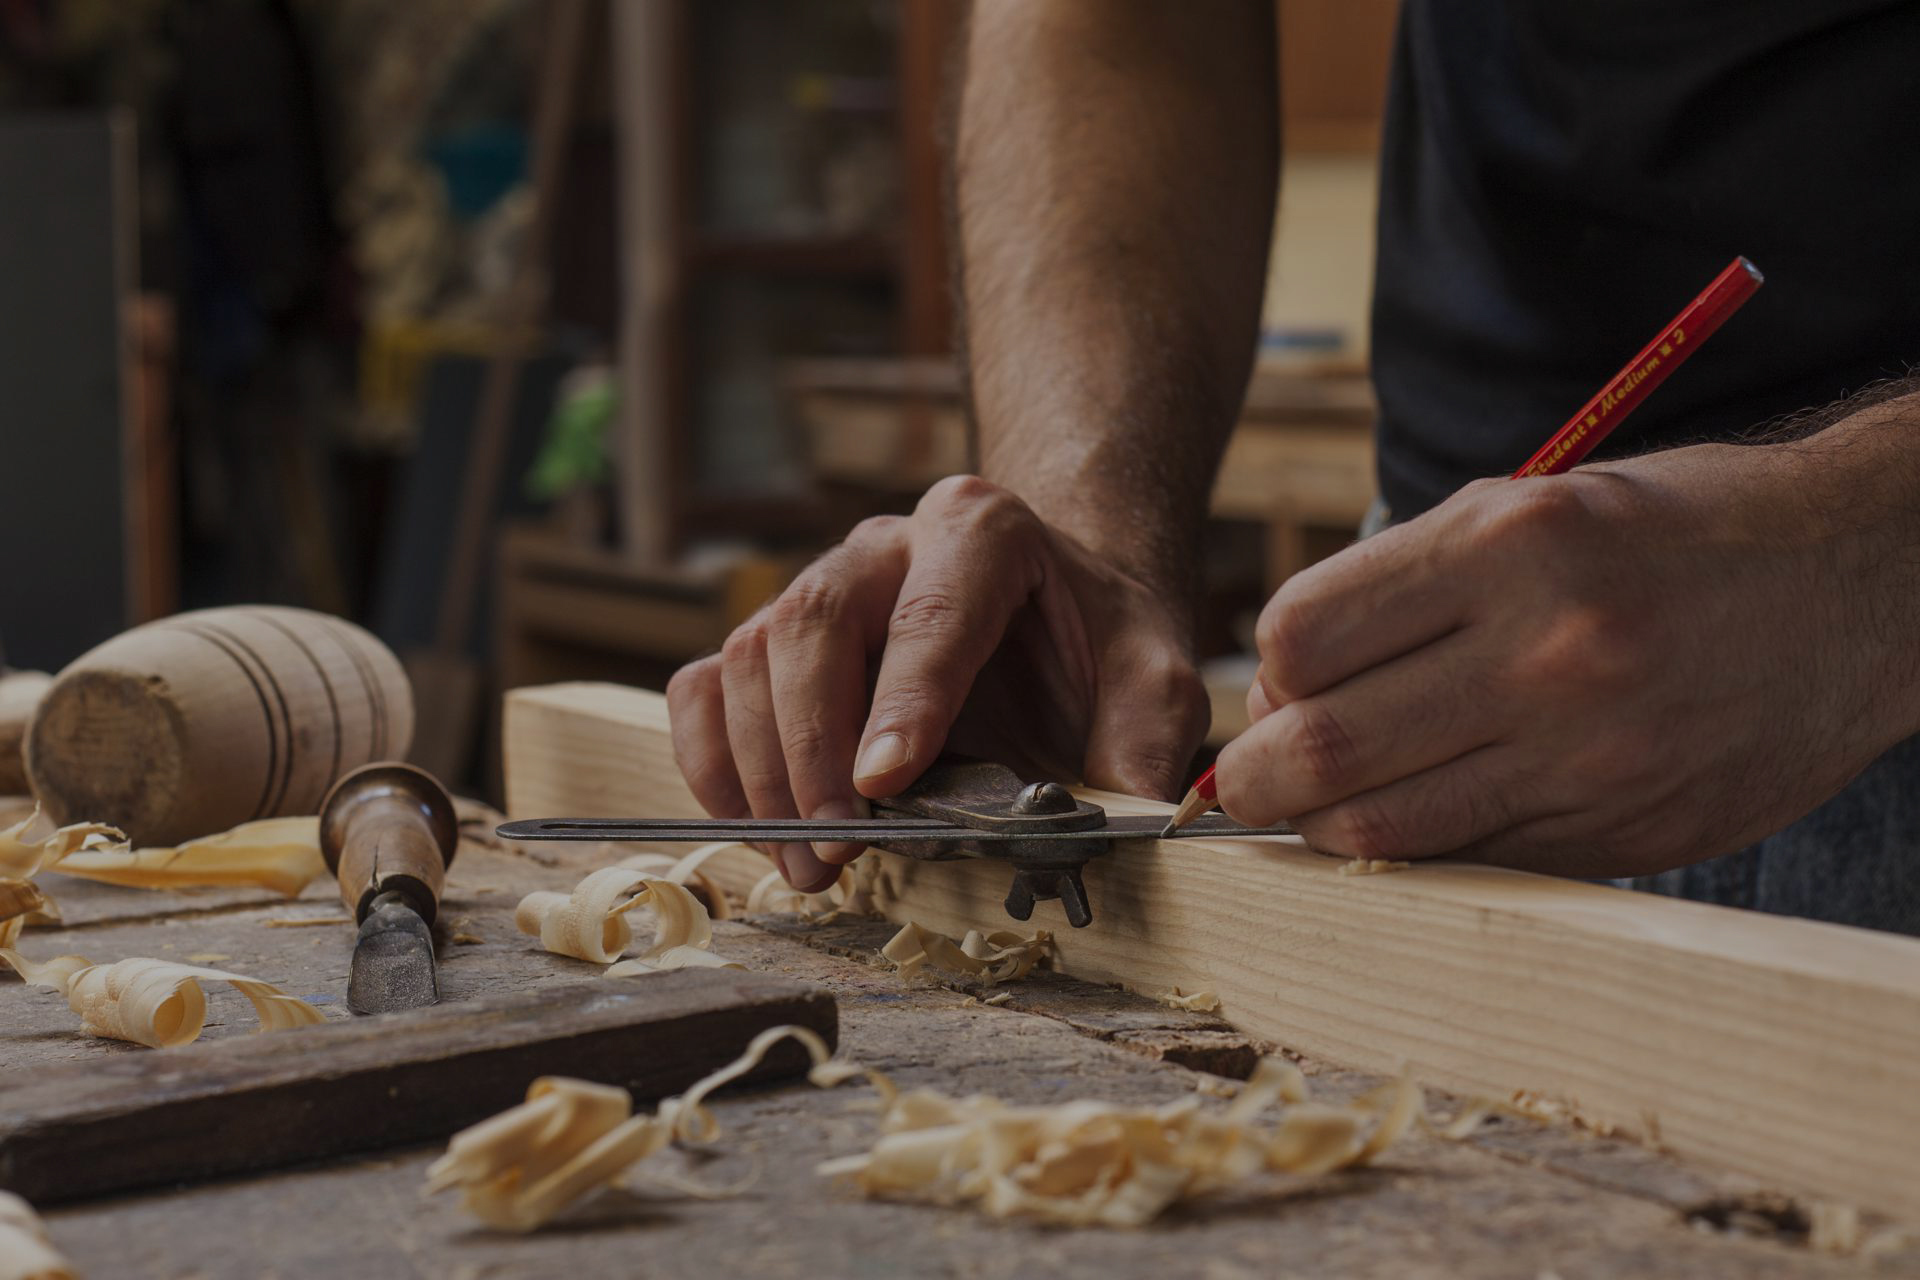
pixel 21 903
pixel 570 1138
pixel 304 922
pixel 997 999
pixel 686 871
pixel 1089 1163
pixel 591 922
pixel 26 1253
pixel 1198 1002
pixel 33 844
pixel 281 855
pixel 157 1003
pixel 1371 866
pixel 1001 956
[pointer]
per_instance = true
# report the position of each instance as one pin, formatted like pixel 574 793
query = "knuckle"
pixel 1593 647
pixel 806 743
pixel 810 603
pixel 961 491
pixel 1545 510
pixel 1284 637
pixel 693 681
pixel 747 643
pixel 927 611
pixel 874 530
pixel 1321 747
pixel 1369 829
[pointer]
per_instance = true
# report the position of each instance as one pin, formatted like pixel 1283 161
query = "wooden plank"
pixel 259 1102
pixel 1781 1048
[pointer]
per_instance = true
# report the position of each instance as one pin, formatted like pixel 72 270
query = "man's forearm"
pixel 1114 183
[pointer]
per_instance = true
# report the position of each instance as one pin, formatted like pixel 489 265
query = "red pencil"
pixel 1592 423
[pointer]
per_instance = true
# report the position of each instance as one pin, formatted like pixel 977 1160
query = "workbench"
pixel 1522 1198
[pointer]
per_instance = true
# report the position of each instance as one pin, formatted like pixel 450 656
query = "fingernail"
pixel 837 852
pixel 883 755
pixel 804 871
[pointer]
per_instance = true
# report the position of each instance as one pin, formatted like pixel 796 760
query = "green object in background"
pixel 574 455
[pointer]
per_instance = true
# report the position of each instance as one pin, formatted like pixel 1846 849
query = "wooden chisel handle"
pixel 389 828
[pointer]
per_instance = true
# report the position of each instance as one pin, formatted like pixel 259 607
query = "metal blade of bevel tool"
pixel 858 830
pixel 393 965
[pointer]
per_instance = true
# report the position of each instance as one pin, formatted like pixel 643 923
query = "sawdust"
pixel 25 1251
pixel 157 1003
pixel 1372 866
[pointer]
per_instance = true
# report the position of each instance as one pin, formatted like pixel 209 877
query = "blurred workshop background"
pixel 547 338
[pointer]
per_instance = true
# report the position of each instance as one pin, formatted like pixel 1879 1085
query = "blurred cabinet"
pixel 1334 56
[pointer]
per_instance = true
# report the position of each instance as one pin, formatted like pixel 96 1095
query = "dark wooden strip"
pixel 279 800
pixel 376 696
pixel 266 713
pixel 320 672
pixel 226 1107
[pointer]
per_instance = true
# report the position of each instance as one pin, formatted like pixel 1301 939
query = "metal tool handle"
pixel 389 828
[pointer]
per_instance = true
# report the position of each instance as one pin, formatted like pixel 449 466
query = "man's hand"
pixel 974 625
pixel 1628 668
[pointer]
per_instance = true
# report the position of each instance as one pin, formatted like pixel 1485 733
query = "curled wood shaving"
pixel 278 854
pixel 1197 1002
pixel 25 1251
pixel 33 844
pixel 519 1169
pixel 686 871
pixel 1088 1162
pixel 22 903
pixel 1371 866
pixel 157 1003
pixel 1001 956
pixel 591 922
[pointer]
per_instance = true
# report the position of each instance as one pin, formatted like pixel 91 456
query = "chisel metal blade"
pixel 393 964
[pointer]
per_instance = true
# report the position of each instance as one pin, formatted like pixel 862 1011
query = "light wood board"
pixel 1785 1049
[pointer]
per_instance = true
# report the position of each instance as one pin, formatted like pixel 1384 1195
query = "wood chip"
pixel 1371 866
pixel 1198 1002
pixel 686 871
pixel 997 957
pixel 26 1253
pixel 33 844
pixel 1088 1163
pixel 157 1003
pixel 591 923
pixel 281 855
pixel 21 902
pixel 570 1138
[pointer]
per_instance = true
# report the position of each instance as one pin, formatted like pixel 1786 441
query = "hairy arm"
pixel 1115 180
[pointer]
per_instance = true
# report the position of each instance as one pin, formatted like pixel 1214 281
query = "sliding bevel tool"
pixel 388 832
pixel 957 809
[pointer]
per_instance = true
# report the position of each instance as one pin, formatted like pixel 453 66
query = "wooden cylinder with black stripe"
pixel 196 723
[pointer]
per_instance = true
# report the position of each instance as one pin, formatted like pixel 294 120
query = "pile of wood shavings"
pixel 570 1138
pixel 1001 956
pixel 1091 1163
pixel 280 854
pixel 591 923
pixel 25 1251
pixel 686 871
pixel 156 1003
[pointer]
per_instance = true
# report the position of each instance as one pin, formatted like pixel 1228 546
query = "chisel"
pixel 388 832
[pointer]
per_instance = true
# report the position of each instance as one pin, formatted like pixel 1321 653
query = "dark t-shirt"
pixel 1561 176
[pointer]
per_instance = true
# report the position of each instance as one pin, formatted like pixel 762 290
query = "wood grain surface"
pixel 1785 1049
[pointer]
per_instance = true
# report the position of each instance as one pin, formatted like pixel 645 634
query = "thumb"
pixel 1146 728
